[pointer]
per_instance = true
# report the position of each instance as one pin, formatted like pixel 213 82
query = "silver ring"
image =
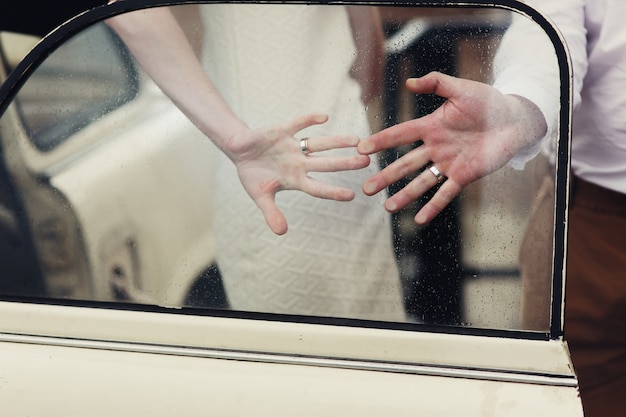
pixel 304 146
pixel 436 173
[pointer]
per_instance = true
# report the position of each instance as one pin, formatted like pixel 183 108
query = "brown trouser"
pixel 595 294
pixel 595 297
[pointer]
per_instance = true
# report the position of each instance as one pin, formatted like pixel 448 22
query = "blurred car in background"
pixel 95 164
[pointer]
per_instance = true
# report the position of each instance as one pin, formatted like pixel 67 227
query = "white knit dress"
pixel 273 63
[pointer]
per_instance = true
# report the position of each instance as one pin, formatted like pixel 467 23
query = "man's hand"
pixel 475 132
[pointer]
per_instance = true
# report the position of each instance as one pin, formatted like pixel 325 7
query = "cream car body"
pixel 147 179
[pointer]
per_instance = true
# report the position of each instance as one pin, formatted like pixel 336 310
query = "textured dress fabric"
pixel 272 64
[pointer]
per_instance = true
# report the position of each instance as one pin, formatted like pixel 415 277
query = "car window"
pixel 149 213
pixel 87 77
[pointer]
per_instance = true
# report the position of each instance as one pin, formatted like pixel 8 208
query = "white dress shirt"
pixel 595 34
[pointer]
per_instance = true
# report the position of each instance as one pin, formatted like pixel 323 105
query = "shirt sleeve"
pixel 526 64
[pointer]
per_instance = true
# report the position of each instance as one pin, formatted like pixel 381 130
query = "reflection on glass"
pixel 138 206
pixel 94 82
pixel 460 44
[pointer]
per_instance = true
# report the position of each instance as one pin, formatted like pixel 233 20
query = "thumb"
pixel 274 218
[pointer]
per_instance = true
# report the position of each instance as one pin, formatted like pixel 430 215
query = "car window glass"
pixel 84 79
pixel 138 207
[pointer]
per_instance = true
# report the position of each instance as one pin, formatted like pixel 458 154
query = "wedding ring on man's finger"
pixel 304 146
pixel 438 175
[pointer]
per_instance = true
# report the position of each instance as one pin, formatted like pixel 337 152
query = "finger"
pixel 436 83
pixel 398 135
pixel 431 83
pixel 444 196
pixel 273 216
pixel 335 164
pixel 408 164
pixel 326 191
pixel 302 122
pixel 325 143
pixel 411 192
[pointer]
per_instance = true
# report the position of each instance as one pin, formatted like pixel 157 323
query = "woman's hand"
pixel 269 160
pixel 475 132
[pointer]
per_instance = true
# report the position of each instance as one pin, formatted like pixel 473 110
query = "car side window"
pixel 152 214
pixel 87 77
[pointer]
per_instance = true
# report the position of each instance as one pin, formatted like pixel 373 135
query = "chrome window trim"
pixel 138 330
pixel 284 359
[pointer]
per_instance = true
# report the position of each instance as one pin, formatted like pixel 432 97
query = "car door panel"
pixel 295 367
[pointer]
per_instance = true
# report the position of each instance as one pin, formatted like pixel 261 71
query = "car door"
pixel 107 206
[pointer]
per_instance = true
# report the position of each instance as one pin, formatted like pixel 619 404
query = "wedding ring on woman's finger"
pixel 304 146
pixel 438 175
